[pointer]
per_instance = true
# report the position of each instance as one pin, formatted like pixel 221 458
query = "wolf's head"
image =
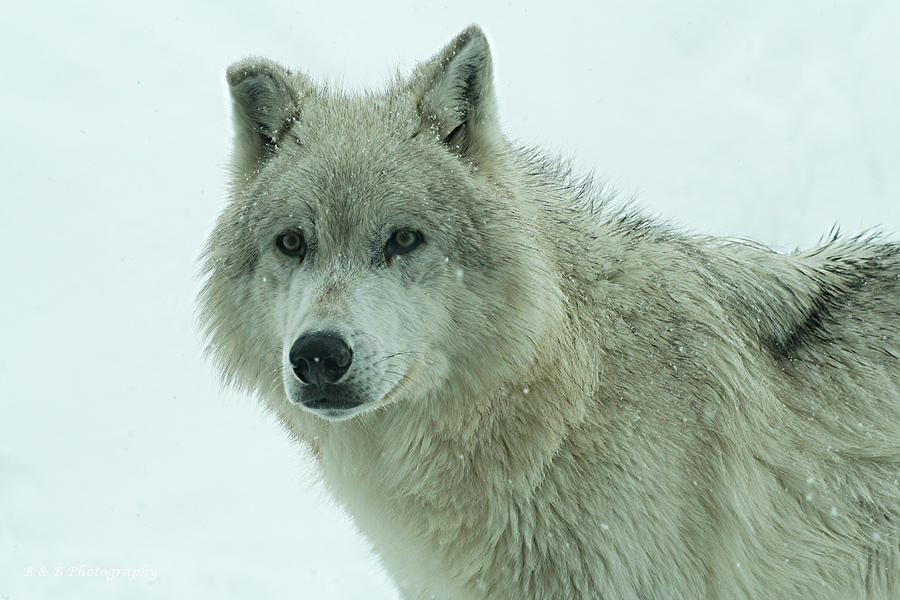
pixel 376 248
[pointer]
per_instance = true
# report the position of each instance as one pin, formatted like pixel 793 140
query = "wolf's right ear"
pixel 266 100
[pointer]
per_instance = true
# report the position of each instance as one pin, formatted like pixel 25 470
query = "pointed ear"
pixel 455 95
pixel 266 101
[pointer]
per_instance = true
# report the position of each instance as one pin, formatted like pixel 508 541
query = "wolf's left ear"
pixel 455 94
pixel 266 100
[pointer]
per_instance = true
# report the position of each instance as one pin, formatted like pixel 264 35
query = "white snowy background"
pixel 118 448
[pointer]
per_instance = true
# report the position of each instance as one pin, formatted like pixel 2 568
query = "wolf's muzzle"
pixel 320 357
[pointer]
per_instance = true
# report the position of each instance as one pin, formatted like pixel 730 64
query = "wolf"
pixel 519 387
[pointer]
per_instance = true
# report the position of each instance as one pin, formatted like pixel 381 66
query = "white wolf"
pixel 518 391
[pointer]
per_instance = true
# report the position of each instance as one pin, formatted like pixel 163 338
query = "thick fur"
pixel 562 399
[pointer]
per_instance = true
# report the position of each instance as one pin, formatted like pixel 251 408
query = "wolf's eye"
pixel 401 242
pixel 291 243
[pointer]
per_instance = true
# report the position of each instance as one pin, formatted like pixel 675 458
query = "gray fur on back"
pixel 577 401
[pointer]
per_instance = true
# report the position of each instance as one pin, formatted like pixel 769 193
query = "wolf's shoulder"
pixel 843 291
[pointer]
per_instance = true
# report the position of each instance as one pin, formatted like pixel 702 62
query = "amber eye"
pixel 401 242
pixel 291 243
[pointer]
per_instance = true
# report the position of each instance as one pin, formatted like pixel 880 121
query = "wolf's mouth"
pixel 331 404
pixel 333 409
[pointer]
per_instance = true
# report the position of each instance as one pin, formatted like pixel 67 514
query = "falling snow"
pixel 169 471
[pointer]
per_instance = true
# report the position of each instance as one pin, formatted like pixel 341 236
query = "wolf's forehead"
pixel 356 176
pixel 374 119
pixel 348 188
pixel 355 167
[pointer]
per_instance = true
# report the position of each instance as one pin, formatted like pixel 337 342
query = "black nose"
pixel 320 357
